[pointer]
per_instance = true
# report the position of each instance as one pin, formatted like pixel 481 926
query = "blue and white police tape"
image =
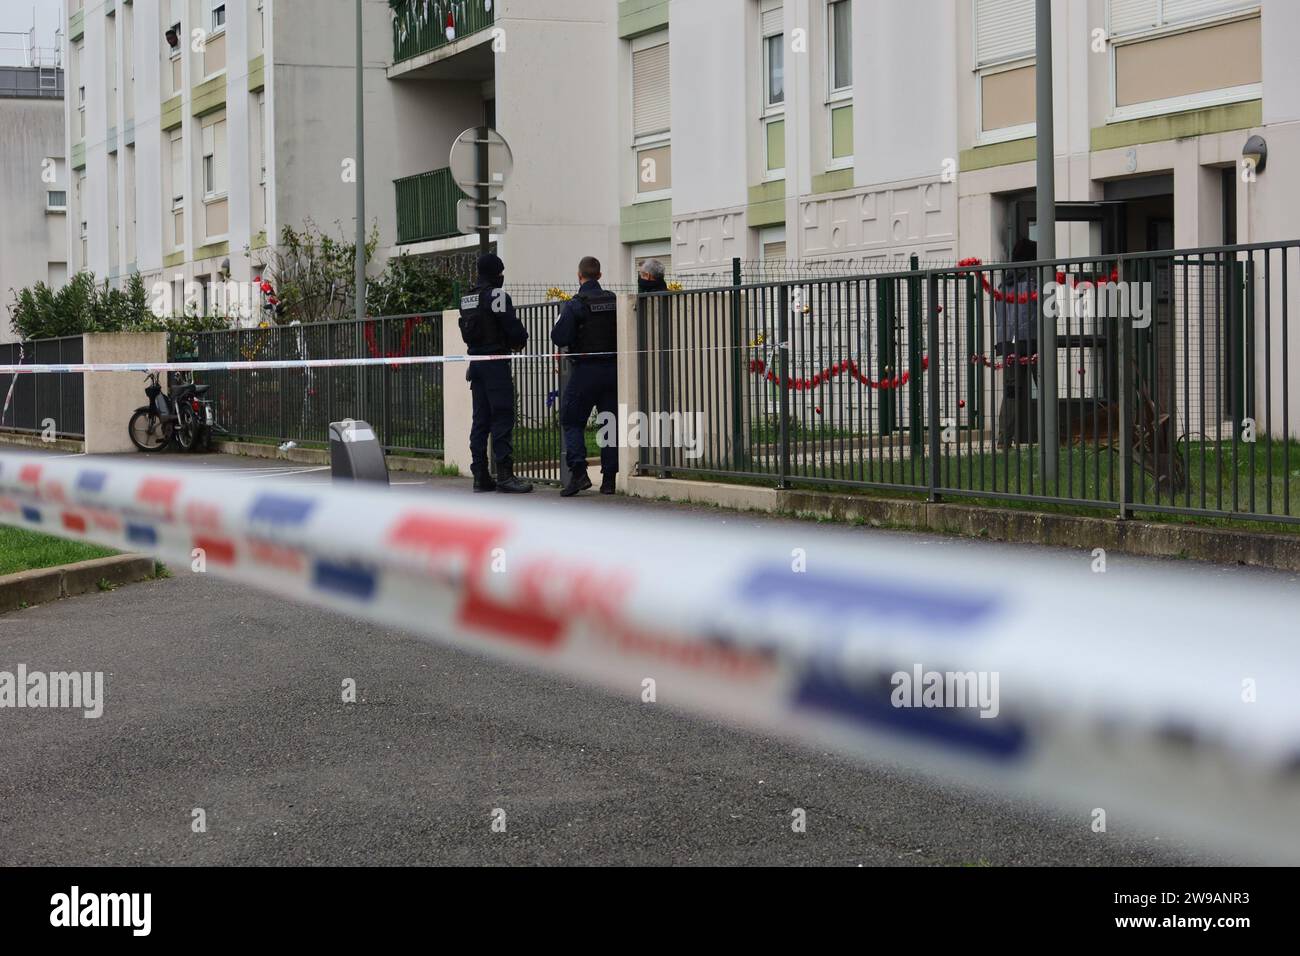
pixel 1165 707
pixel 260 365
pixel 271 364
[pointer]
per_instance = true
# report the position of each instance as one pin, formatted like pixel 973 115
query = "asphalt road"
pixel 226 699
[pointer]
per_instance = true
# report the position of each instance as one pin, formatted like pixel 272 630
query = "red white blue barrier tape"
pixel 1095 708
pixel 271 364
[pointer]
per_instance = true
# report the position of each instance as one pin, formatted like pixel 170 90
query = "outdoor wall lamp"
pixel 1255 153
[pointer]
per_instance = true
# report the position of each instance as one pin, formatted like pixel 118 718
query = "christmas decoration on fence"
pixel 1024 298
pixel 403 347
pixel 846 367
pixel 999 365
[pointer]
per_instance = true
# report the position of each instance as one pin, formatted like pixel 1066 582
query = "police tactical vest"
pixel 597 325
pixel 479 324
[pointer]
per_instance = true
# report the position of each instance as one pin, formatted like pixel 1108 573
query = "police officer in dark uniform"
pixel 588 329
pixel 490 326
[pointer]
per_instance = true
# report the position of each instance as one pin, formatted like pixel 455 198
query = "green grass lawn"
pixel 25 551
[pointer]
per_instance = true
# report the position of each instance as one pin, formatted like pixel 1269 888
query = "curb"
pixel 319 456
pixel 27 588
pixel 1265 549
pixel 23 440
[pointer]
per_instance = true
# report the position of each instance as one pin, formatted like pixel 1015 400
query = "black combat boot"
pixel 606 483
pixel 482 478
pixel 578 481
pixel 507 482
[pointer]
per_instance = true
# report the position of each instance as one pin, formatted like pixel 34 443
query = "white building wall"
pixel 33 242
pixel 713 97
pixel 557 94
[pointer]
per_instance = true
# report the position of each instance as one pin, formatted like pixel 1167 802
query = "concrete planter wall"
pixel 111 397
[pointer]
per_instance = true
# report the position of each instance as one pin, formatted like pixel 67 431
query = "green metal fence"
pixel 1164 390
pixel 402 402
pixel 426 206
pixel 420 26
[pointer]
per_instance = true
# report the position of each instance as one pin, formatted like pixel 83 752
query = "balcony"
pixel 420 26
pixel 426 207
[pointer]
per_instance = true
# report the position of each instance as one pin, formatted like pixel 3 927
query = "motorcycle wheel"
pixel 187 428
pixel 148 432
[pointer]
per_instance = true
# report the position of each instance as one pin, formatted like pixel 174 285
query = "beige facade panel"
pixel 1199 61
pixel 1007 99
pixel 654 169
pixel 214 54
pixel 217 216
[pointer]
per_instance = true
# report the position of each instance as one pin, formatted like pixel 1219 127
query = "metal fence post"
pixel 916 412
pixel 1127 388
pixel 783 382
pixel 932 379
pixel 739 453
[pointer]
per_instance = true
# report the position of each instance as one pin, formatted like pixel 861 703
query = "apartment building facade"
pixel 198 129
pixel 840 129
pixel 691 130
pixel 33 182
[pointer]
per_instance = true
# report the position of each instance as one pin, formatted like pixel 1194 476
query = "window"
pixel 175 35
pixel 260 116
pixel 1004 40
pixel 839 16
pixel 215 164
pixel 1174 55
pixel 772 28
pixel 839 70
pixel 217 20
pixel 774 58
pixel 81 112
pixel 178 170
pixel 56 200
pixel 652 117
pixel 771 244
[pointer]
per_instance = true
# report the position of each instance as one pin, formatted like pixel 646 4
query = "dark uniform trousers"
pixel 592 384
pixel 492 388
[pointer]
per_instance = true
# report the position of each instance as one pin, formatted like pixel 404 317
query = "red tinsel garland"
pixel 1024 298
pixel 848 366
pixel 403 347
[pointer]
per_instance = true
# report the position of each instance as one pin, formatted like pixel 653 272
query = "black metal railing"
pixel 402 402
pixel 537 439
pixel 43 404
pixel 1170 375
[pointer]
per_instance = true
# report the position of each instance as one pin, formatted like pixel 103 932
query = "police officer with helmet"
pixel 490 326
pixel 587 327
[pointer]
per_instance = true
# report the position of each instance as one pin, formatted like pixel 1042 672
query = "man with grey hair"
pixel 651 277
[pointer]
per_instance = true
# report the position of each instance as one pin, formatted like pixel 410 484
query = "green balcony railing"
pixel 420 26
pixel 426 206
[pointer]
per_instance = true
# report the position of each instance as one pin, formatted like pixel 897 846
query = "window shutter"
pixel 1176 11
pixel 1004 30
pixel 220 163
pixel 773 21
pixel 178 168
pixel 1133 16
pixel 651 106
